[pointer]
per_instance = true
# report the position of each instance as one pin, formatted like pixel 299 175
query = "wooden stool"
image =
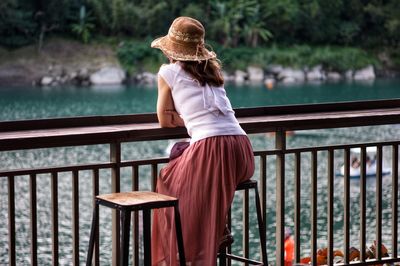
pixel 223 255
pixel 126 202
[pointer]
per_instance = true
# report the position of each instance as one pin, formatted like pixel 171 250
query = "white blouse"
pixel 205 110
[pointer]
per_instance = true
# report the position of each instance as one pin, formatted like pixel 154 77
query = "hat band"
pixel 183 36
pixel 204 55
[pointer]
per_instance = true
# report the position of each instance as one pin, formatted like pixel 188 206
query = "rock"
pixel 85 83
pixel 289 74
pixel 333 76
pixel 240 76
pixel 349 74
pixel 256 74
pixel 46 81
pixel 288 80
pixel 83 73
pixel 367 73
pixel 227 77
pixel 387 73
pixel 64 79
pixel 315 73
pixel 107 76
pixel 147 78
pixel 56 70
pixel 274 69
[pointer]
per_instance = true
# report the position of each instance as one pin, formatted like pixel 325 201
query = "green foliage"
pixel 233 25
pixel 193 10
pixel 134 54
pixel 332 58
pixel 128 17
pixel 84 28
pixel 342 58
pixel 384 22
pixel 17 27
pixel 240 21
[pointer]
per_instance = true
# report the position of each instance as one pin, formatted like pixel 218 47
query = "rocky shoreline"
pixel 279 74
pixel 64 63
pixel 115 75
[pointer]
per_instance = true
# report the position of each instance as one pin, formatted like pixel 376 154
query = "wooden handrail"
pixel 58 132
pixel 296 109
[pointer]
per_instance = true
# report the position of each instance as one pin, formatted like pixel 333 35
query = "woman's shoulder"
pixel 170 67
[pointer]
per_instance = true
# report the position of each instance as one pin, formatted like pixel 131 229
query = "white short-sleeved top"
pixel 205 110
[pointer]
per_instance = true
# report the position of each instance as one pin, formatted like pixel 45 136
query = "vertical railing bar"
pixel 314 168
pixel 11 221
pixel 331 176
pixel 135 218
pixel 379 202
pixel 115 157
pixel 33 216
pixel 54 213
pixel 154 175
pixel 263 190
pixel 75 217
pixel 297 206
pixel 280 144
pixel 346 200
pixel 246 224
pixel 395 191
pixel 229 262
pixel 363 201
pixel 95 181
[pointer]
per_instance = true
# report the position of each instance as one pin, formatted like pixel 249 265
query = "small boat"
pixel 370 164
pixel 369 150
pixel 370 171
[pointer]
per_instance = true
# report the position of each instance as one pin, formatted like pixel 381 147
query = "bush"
pixel 139 56
pixel 331 58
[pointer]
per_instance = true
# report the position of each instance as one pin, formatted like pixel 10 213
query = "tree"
pixel 52 15
pixel 84 27
pixel 239 21
pixel 17 27
pixel 283 19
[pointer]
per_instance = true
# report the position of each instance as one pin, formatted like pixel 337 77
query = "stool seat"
pixel 138 199
pixel 247 185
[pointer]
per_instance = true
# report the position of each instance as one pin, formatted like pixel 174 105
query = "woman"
pixel 204 177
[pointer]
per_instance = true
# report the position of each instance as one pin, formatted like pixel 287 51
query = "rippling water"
pixel 30 103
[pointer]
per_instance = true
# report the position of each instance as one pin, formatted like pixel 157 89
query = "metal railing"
pixel 117 130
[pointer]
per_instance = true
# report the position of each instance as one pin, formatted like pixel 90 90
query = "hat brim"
pixel 179 52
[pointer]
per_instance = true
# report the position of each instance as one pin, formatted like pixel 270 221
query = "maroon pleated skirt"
pixel 204 179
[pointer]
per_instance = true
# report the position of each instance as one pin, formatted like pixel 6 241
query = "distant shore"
pixel 69 62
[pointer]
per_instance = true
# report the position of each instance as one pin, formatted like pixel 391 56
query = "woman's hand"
pixel 176 118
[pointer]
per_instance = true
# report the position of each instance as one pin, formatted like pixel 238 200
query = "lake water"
pixel 34 103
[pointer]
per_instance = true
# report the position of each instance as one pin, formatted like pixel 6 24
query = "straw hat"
pixel 185 41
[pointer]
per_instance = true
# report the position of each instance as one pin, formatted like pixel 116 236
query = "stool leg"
pixel 222 257
pixel 179 238
pixel 261 228
pixel 125 224
pixel 147 237
pixel 92 236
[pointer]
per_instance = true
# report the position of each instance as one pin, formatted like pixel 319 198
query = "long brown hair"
pixel 206 71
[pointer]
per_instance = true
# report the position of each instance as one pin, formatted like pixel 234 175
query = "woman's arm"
pixel 167 116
